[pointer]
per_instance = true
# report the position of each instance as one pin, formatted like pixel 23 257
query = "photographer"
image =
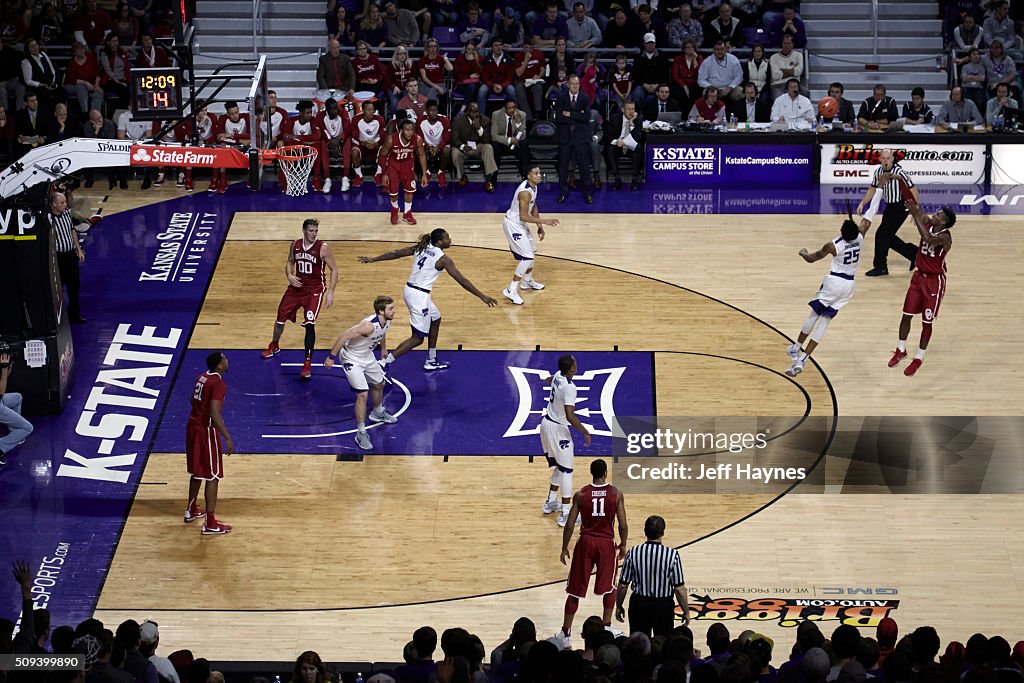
pixel 18 428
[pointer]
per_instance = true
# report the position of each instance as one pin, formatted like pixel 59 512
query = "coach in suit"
pixel 661 102
pixel 625 133
pixel 508 135
pixel 572 117
pixel 751 108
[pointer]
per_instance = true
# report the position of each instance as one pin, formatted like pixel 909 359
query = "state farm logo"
pixel 177 157
pixel 141 155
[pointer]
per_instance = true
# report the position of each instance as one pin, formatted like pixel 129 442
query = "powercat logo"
pixel 868 154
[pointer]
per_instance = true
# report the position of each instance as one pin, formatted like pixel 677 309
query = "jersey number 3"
pixel 598 507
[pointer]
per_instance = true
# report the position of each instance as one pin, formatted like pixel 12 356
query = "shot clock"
pixel 156 93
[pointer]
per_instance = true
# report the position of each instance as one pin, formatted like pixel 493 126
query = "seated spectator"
pixel 509 29
pixel 747 11
pixel 476 27
pixel 708 109
pixel 967 35
pixel 334 70
pixel 625 133
pixel 372 28
pixel 150 55
pixel 401 25
pixel 999 68
pixel 8 134
pixel 421 12
pixel 846 113
pixel 1000 27
pixel 650 69
pixel 707 10
pixel 785 64
pixel 399 71
pixel 529 79
pixel 723 71
pixel 620 80
pixel 685 67
pixel 508 136
pixel 792 107
pixel 48 26
pixel 115 68
pixel 82 79
pixel 958 109
pixel 340 28
pixel 646 22
pixel 685 26
pixel 619 33
pixel 370 73
pixel 413 101
pixel 972 78
pixel 917 110
pixel 877 111
pixel 92 25
pixel 773 9
pixel 12 90
pixel 445 12
pixel 592 78
pixel 471 139
pixel 102 129
pixel 584 33
pixel 789 23
pixel 1000 103
pixel 560 65
pixel 756 70
pixel 752 108
pixel 661 103
pixel 32 125
pixel 550 26
pixel 498 74
pixel 725 28
pixel 16 428
pixel 433 68
pixel 126 26
pixel 41 76
pixel 467 74
pixel 63 128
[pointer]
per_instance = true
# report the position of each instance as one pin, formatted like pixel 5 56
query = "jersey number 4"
pixel 598 507
pixel 851 256
pixel 421 262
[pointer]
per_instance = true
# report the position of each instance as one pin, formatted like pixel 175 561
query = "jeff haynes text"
pixel 722 471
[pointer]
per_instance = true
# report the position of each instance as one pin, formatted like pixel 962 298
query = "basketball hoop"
pixel 296 164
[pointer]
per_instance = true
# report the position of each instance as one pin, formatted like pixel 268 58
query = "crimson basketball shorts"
pixel 203 455
pixel 367 153
pixel 924 295
pixel 294 298
pixel 590 552
pixel 402 178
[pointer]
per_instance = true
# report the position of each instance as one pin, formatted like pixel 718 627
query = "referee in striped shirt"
pixel 886 178
pixel 656 572
pixel 69 251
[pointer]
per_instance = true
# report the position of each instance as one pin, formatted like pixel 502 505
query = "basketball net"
pixel 296 163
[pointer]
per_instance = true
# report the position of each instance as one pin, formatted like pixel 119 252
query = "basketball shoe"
pixel 513 296
pixel 363 441
pixel 357 181
pixel 434 364
pixel 381 415
pixel 326 189
pixel 794 351
pixel 394 216
pixel 441 180
pixel 897 358
pixel 194 512
pixel 272 350
pixel 307 369
pixel 409 218
pixel 526 285
pixel 345 184
pixel 561 641
pixel 912 368
pixel 551 506
pixel 563 518
pixel 213 527
pixel 160 177
pixel 795 369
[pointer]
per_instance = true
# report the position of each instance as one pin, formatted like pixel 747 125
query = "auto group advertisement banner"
pixel 855 164
pixel 709 165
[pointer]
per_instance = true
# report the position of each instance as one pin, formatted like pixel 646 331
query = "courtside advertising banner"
pixel 709 165
pixel 195 157
pixel 927 164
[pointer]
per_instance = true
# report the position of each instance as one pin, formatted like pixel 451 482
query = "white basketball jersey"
pixel 432 132
pixel 334 127
pixel 513 211
pixel 300 128
pixel 206 130
pixel 368 130
pixel 233 128
pixel 276 119
pixel 361 348
pixel 424 267
pixel 847 255
pixel 563 393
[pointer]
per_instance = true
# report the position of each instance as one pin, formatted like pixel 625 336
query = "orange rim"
pixel 291 153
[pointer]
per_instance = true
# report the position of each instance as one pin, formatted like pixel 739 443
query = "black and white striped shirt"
pixel 891 191
pixel 653 569
pixel 62 231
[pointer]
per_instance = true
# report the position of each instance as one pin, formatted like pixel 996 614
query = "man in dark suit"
pixel 572 117
pixel 32 125
pixel 846 112
pixel 335 71
pixel 625 133
pixel 751 108
pixel 662 102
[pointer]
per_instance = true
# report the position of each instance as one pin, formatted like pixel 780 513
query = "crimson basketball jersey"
pixel 308 265
pixel 931 258
pixel 598 505
pixel 209 387
pixel 402 154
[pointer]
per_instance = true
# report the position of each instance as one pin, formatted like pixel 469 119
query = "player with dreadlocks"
pixel 429 260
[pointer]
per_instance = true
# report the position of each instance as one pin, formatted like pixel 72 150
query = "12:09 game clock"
pixel 156 93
